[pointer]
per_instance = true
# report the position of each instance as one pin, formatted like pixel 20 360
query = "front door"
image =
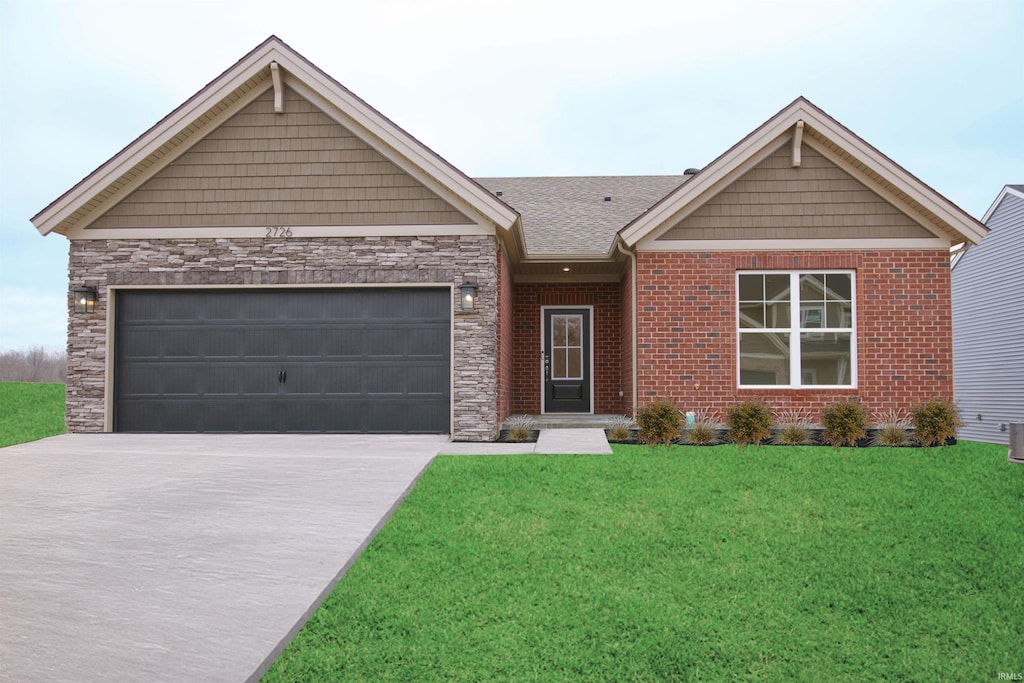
pixel 567 360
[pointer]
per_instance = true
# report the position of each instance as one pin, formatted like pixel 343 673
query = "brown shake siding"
pixel 817 200
pixel 291 169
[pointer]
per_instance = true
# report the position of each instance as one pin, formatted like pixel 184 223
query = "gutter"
pixel 619 242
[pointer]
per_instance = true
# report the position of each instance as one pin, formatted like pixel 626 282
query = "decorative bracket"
pixel 275 73
pixel 798 139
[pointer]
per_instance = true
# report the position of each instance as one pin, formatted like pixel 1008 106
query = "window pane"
pixel 764 358
pixel 751 314
pixel 825 358
pixel 573 323
pixel 575 368
pixel 776 287
pixel 778 314
pixel 840 314
pixel 812 316
pixel 558 330
pixel 751 288
pixel 812 287
pixel 838 287
pixel 558 364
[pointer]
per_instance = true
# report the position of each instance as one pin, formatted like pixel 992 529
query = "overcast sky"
pixel 519 87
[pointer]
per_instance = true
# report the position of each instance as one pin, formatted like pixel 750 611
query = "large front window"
pixel 796 329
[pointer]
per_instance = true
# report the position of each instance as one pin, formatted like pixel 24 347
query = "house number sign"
pixel 278 231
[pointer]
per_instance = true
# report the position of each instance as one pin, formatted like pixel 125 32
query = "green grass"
pixel 30 411
pixel 766 563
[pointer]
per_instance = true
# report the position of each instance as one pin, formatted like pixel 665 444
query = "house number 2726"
pixel 278 231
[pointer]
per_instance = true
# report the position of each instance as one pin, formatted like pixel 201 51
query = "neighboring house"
pixel 276 255
pixel 988 324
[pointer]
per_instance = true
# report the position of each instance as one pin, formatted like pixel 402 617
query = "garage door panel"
pixel 349 360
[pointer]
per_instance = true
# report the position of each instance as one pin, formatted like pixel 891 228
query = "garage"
pixel 348 360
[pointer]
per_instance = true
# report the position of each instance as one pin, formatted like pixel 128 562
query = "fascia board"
pixel 568 258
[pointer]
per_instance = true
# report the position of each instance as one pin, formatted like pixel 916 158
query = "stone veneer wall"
pixel 294 261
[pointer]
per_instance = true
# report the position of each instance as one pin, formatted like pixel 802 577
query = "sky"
pixel 512 88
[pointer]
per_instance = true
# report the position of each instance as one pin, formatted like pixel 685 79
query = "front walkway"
pixel 182 557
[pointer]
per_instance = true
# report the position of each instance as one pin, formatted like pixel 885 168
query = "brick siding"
pixel 688 336
pixel 505 346
pixel 606 298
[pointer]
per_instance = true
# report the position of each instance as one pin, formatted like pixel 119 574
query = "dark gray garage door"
pixel 283 360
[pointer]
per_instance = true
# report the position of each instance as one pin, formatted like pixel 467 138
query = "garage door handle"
pixel 282 377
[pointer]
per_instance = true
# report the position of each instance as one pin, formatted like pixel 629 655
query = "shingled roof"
pixel 570 215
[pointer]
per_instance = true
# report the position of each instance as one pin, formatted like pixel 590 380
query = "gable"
pixel 800 127
pixel 297 168
pixel 775 200
pixel 443 198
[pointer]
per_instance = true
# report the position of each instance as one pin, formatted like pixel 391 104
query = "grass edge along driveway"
pixel 687 563
pixel 30 411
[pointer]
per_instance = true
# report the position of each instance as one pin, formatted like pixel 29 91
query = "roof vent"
pixel 607 197
pixel 691 171
pixel 497 193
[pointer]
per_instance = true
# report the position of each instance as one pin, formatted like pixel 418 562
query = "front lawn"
pixel 687 563
pixel 30 411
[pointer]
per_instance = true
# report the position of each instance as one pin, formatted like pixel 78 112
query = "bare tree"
pixel 36 364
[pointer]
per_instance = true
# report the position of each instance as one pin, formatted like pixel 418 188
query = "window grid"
pixel 792 312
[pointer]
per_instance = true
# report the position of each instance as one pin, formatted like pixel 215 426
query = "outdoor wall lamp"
pixel 469 289
pixel 85 299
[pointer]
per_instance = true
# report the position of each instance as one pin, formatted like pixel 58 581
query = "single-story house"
pixel 988 324
pixel 277 255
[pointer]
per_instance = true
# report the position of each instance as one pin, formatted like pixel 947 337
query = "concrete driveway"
pixel 171 558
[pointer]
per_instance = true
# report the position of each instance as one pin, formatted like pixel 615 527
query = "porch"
pixel 570 421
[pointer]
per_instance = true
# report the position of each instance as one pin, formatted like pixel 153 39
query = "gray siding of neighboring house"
pixel 988 327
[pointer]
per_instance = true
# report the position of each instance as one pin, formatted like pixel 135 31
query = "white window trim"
pixel 794 330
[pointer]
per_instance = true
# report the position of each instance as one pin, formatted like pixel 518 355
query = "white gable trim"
pixel 789 245
pixel 277 232
pixel 1007 190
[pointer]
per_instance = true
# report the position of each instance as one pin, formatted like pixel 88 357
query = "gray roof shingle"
pixel 569 215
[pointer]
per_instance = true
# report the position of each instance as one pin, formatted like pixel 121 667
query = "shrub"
pixel 619 428
pixel 520 427
pixel 892 428
pixel 749 422
pixel 704 431
pixel 659 422
pixel 844 423
pixel 935 421
pixel 793 428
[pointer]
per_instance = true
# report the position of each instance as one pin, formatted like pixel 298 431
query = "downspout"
pixel 632 272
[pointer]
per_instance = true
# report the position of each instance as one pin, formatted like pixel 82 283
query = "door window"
pixel 567 346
